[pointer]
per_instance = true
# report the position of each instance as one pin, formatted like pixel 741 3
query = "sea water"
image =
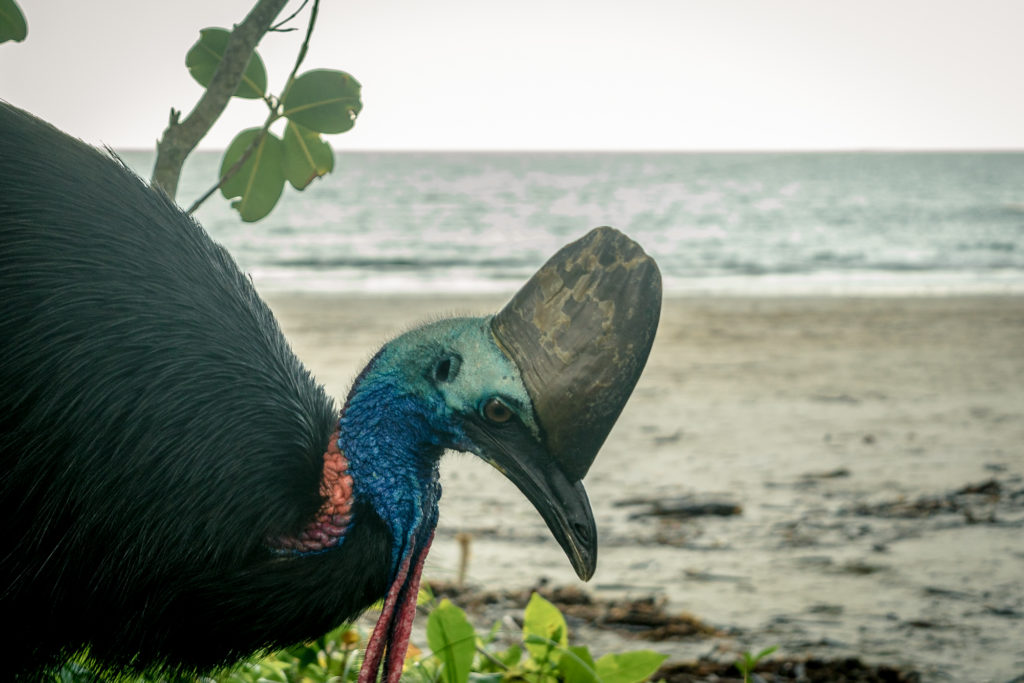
pixel 744 223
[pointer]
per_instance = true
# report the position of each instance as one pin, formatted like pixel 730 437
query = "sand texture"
pixel 873 446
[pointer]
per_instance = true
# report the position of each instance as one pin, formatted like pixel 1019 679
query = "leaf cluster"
pixel 458 654
pixel 258 162
pixel 334 657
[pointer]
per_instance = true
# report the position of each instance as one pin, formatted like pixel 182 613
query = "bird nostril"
pixel 447 368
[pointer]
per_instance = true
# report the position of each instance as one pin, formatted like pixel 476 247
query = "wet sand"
pixel 837 425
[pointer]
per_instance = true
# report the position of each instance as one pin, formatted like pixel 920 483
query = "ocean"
pixel 717 223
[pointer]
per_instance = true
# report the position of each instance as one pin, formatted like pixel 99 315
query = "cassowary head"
pixel 534 390
pixel 451 387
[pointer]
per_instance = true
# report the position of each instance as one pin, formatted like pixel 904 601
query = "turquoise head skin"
pixel 448 385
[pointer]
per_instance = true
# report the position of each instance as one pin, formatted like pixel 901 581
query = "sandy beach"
pixel 874 446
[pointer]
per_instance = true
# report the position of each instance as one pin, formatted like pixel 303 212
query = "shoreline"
pixel 839 285
pixel 806 412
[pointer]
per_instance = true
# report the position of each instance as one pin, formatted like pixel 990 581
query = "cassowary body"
pixel 177 492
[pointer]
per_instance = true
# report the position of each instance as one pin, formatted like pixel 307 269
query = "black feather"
pixel 155 431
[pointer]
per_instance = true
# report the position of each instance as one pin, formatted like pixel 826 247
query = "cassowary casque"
pixel 177 492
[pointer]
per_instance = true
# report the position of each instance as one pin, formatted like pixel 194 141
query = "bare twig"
pixel 494 660
pixel 464 539
pixel 304 48
pixel 180 138
pixel 278 25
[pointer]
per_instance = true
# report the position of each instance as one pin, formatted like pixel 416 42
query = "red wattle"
pixel 394 626
pixel 326 530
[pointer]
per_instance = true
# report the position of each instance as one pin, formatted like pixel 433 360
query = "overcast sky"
pixel 561 74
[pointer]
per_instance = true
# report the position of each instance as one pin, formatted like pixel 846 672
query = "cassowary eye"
pixel 496 411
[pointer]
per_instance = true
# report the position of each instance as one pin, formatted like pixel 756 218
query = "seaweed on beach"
pixel 976 502
pixel 644 618
pixel 685 507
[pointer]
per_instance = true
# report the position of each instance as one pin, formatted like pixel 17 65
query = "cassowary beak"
pixel 562 503
pixel 579 331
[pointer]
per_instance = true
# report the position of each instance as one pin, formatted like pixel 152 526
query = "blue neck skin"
pixel 393 440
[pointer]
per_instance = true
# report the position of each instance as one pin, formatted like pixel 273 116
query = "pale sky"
pixel 560 74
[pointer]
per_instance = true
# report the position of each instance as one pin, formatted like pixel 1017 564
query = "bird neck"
pixel 392 442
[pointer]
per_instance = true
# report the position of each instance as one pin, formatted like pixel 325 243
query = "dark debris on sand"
pixel 684 507
pixel 978 503
pixel 644 618
pixel 847 670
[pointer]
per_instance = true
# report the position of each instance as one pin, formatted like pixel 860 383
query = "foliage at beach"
pixel 457 654
pixel 258 162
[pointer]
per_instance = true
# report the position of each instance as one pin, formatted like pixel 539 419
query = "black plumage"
pixel 155 430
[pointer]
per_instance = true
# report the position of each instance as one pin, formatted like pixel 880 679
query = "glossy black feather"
pixel 155 431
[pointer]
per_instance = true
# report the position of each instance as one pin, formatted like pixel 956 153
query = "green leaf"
pixel 12 22
pixel 274 669
pixel 628 667
pixel 577 666
pixel 204 56
pixel 492 635
pixel 307 157
pixel 453 641
pixel 511 656
pixel 260 180
pixel 425 595
pixel 748 662
pixel 324 100
pixel 542 619
pixel 305 655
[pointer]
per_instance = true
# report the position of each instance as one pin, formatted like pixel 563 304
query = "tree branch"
pixel 179 139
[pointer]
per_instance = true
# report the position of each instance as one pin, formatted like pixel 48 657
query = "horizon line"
pixel 780 150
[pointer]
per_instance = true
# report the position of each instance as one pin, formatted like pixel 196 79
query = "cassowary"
pixel 177 491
